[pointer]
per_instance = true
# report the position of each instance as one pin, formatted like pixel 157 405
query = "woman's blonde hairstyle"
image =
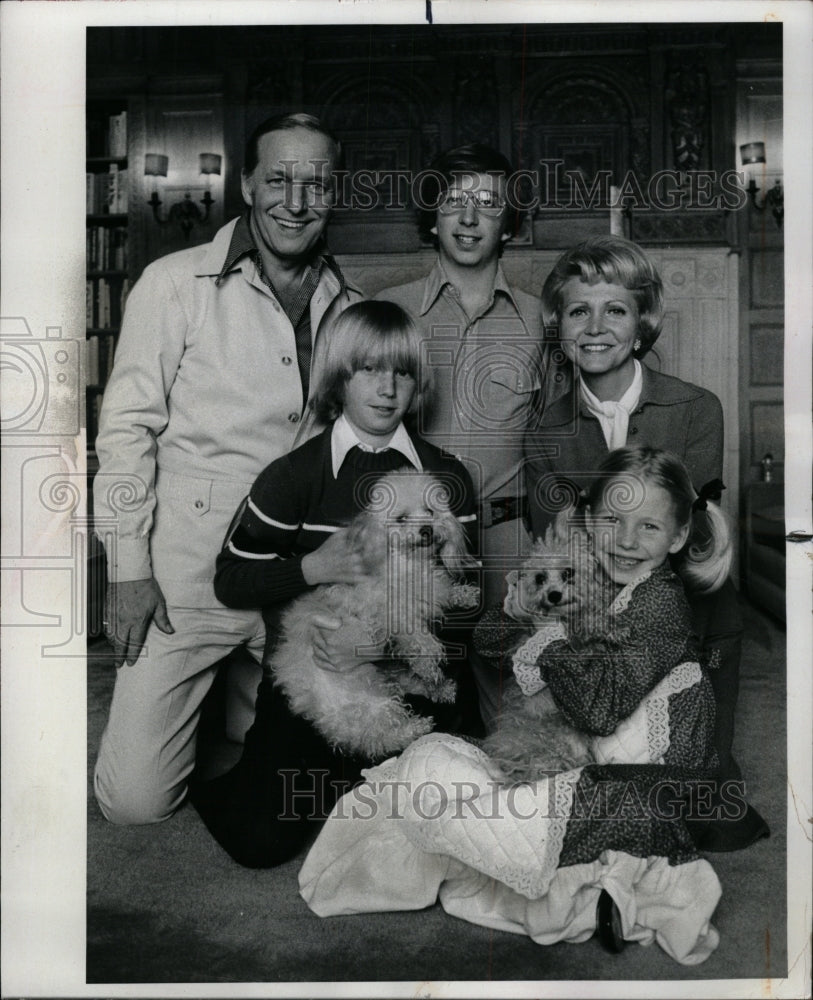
pixel 705 559
pixel 618 262
pixel 372 331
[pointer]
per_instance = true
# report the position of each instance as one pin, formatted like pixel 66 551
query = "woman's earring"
pixel 637 345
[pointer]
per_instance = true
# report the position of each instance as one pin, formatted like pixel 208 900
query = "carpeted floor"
pixel 166 905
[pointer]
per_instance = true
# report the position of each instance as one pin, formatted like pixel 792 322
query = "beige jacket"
pixel 205 392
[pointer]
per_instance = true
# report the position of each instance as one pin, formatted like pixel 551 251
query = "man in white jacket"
pixel 210 384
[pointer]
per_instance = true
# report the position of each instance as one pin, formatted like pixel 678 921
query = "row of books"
pixel 94 408
pixel 107 135
pixel 100 350
pixel 106 193
pixel 104 302
pixel 106 248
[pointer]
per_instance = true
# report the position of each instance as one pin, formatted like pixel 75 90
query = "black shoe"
pixel 608 924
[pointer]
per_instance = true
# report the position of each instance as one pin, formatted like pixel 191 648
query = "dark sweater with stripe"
pixel 295 505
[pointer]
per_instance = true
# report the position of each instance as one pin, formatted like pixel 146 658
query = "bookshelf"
pixel 108 271
pixel 108 257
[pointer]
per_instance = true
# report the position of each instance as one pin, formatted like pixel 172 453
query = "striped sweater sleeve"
pixel 257 565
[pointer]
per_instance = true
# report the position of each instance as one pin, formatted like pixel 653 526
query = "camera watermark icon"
pixel 495 385
pixel 46 528
pixel 41 381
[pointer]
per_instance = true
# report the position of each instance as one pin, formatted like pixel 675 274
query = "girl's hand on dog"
pixel 335 561
pixel 341 647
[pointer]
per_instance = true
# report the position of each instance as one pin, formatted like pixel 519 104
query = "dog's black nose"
pixel 554 596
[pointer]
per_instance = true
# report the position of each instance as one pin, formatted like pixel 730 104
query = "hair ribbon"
pixel 713 490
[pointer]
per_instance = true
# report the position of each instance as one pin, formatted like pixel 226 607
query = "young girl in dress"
pixel 290 534
pixel 604 300
pixel 650 532
pixel 603 845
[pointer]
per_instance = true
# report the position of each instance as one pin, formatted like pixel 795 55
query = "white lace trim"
pixel 679 678
pixel 525 660
pixel 624 596
pixel 644 736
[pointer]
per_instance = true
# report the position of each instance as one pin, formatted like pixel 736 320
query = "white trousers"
pixel 147 751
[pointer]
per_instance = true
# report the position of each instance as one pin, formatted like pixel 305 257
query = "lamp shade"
pixel 210 163
pixel 155 165
pixel 752 152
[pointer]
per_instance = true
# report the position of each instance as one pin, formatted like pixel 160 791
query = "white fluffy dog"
pixel 560 580
pixel 414 550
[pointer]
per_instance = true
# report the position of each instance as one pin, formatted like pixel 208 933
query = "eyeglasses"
pixel 487 202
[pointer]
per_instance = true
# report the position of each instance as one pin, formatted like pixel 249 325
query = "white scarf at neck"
pixel 614 415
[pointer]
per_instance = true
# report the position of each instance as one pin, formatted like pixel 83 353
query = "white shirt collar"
pixel 614 415
pixel 344 437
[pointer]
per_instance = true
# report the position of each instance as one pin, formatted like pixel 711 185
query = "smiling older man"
pixel 210 384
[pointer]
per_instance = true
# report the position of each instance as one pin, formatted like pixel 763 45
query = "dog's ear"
pixel 453 553
pixel 368 537
pixel 560 531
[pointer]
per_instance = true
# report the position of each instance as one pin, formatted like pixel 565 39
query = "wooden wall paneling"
pixel 235 133
pixel 767 271
pixel 373 272
pixel 389 130
pixel 595 119
pixel 759 112
pixel 767 351
pixel 181 125
pixel 767 431
pixel 137 196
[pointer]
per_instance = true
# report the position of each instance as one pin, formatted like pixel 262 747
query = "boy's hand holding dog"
pixel 335 561
pixel 336 646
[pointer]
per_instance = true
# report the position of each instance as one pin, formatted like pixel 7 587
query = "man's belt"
pixel 502 509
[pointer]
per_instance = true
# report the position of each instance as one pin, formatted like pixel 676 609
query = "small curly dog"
pixel 414 550
pixel 561 580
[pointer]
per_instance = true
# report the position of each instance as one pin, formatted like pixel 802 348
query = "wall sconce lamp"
pixel 186 213
pixel 751 153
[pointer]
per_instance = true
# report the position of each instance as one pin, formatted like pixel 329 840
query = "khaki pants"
pixel 147 751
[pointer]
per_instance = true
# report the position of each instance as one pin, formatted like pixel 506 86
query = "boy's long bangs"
pixel 397 348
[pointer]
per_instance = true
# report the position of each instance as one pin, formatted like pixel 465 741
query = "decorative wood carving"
pixel 476 101
pixel 593 121
pixel 687 104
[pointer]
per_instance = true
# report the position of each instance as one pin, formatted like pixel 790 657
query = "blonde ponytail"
pixel 705 560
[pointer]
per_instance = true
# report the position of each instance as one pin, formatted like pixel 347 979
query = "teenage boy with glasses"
pixel 483 340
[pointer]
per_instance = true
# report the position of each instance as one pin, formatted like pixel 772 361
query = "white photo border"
pixel 42 53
